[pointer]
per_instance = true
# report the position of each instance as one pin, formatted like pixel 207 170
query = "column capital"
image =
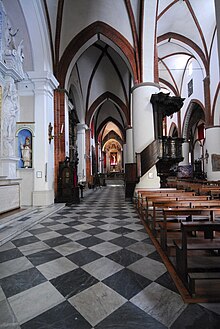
pixel 43 78
pixel 146 84
pixel 212 127
pixel 81 126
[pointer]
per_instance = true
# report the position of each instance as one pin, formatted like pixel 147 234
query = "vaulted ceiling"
pixel 95 48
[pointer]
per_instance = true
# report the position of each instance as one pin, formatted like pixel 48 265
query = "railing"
pixel 166 149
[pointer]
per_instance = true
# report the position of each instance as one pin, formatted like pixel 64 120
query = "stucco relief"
pixel 9 116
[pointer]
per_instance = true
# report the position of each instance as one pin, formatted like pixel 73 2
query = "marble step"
pixel 16 224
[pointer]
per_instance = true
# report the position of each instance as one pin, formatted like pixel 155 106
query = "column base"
pixel 149 180
pixel 43 198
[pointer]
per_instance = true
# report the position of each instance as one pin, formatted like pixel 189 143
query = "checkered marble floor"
pixel 92 265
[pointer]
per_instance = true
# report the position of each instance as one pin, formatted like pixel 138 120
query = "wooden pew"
pixel 147 208
pixel 209 190
pixel 137 193
pixel 172 218
pixel 147 198
pixel 203 267
pixel 181 201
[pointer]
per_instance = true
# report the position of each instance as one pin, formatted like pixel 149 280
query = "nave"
pixel 92 265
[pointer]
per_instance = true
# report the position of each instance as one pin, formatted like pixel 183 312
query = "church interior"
pixel 109 164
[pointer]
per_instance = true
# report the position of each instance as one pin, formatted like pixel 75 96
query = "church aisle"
pixel 92 265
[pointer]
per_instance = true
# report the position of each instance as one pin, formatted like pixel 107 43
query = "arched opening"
pixel 194 133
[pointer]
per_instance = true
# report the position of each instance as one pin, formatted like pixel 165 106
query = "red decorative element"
pixel 201 134
pixel 104 162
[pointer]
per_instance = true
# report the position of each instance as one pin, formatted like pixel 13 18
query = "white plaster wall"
pixel 214 80
pixel 148 39
pixel 198 87
pixel 38 32
pixel 27 186
pixel 26 108
pixel 206 21
pixel 136 7
pixel 109 109
pixel 85 12
pixel 214 65
pixel 198 92
pixel 85 66
pixel 104 80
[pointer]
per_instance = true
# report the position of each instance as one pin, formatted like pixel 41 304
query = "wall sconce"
pixel 50 132
pixel 206 156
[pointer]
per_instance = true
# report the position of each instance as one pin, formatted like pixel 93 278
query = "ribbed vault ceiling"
pixel 95 48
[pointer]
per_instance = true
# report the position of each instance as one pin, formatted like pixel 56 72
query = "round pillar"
pixel 185 167
pixel 81 144
pixel 143 127
pixel 211 153
pixel 129 157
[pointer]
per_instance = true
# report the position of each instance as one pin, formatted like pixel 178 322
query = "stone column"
pixel 185 152
pixel 142 110
pixel 129 146
pixel 211 153
pixel 88 155
pixel 81 144
pixel 184 167
pixel 217 9
pixel 43 150
pixel 143 127
pixel 125 154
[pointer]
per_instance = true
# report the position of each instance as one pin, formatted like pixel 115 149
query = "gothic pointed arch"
pixel 194 114
pixel 173 130
pixel 111 119
pixel 116 100
pixel 86 34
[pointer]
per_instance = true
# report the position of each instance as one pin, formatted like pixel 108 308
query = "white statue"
pixel 10 105
pixel 10 112
pixel 26 153
pixel 13 54
pixel 9 40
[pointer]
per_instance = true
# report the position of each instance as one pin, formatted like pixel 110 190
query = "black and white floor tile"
pixel 90 266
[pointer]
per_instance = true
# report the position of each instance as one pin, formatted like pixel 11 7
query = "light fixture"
pixel 206 156
pixel 50 132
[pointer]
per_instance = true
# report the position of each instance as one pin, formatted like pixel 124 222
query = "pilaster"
pixel 43 155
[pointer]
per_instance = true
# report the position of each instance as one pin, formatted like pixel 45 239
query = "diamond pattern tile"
pixel 92 266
